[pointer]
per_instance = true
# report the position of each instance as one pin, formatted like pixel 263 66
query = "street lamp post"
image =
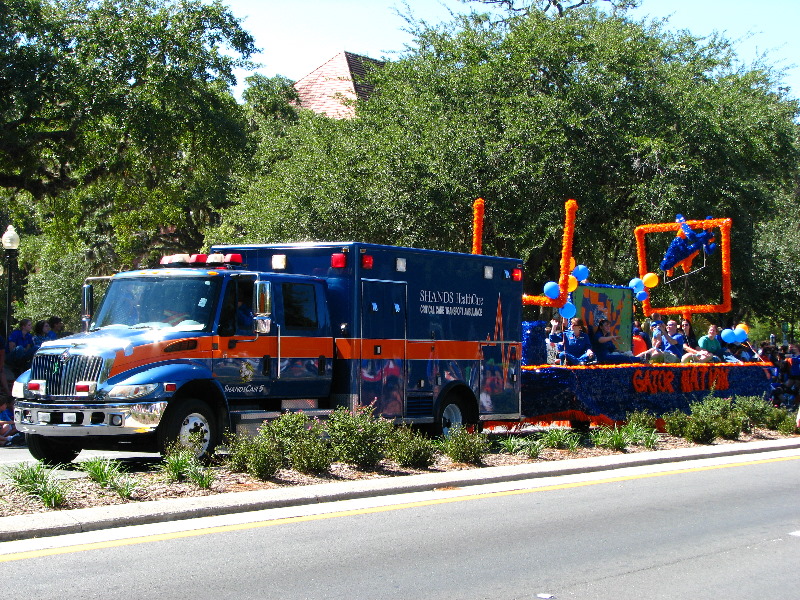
pixel 10 241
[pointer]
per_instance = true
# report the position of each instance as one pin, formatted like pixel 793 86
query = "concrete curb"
pixel 159 511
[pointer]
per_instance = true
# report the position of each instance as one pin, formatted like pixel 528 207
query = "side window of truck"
pixel 299 306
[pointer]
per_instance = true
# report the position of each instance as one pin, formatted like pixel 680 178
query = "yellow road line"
pixel 365 511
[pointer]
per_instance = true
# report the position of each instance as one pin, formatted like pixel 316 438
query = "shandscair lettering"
pixel 244 389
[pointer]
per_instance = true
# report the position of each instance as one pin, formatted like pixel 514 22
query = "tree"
pixel 633 121
pixel 82 98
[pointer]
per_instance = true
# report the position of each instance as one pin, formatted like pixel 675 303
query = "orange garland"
pixel 571 208
pixel 477 226
pixel 725 245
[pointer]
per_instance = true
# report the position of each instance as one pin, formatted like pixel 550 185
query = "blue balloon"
pixel 551 290
pixel 728 336
pixel 642 295
pixel 581 272
pixel 741 335
pixel 568 310
pixel 637 284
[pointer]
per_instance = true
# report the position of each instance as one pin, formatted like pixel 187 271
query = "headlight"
pixel 128 392
pixel 18 389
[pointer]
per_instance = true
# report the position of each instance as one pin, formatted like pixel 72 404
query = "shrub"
pixel 358 437
pixel 465 447
pixel 177 462
pixel 310 453
pixel 263 454
pixel 754 410
pixel 409 448
pixel 775 417
pixel 699 431
pixel 675 423
pixel 788 426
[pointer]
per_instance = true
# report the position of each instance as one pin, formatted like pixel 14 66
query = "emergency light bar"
pixel 196 260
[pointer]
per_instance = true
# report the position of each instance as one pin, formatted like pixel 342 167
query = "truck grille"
pixel 61 372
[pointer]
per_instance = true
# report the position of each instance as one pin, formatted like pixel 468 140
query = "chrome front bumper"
pixel 129 418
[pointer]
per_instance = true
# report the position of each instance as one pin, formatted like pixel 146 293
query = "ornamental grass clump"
pixel 409 448
pixel 358 437
pixel 561 439
pixel 36 479
pixel 613 438
pixel 109 474
pixel 465 447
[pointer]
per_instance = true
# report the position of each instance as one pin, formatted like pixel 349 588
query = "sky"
pixel 297 37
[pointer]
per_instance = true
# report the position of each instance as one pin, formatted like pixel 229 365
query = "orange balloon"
pixel 572 283
pixel 743 326
pixel 650 280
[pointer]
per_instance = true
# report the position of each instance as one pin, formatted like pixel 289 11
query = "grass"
pixel 36 479
pixel 109 474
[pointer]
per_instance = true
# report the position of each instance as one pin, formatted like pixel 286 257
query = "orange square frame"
pixel 725 248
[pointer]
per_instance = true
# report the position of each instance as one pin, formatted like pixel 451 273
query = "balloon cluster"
pixel 650 280
pixel 552 289
pixel 735 336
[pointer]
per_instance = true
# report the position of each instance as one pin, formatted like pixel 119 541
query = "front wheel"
pixel 52 451
pixel 191 423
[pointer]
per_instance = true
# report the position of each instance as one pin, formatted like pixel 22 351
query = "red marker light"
pixel 170 387
pixel 34 386
pixel 82 387
pixel 516 274
pixel 338 260
pixel 367 261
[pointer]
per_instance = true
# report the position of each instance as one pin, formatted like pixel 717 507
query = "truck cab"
pixel 181 351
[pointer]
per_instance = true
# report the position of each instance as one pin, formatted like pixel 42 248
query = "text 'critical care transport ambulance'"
pixel 220 342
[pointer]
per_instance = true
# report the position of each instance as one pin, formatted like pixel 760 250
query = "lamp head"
pixel 10 239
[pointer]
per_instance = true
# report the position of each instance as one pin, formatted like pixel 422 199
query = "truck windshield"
pixel 183 303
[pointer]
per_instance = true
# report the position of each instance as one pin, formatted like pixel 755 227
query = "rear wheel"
pixel 451 413
pixel 190 423
pixel 53 451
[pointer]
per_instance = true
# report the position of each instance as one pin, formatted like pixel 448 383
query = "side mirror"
pixel 262 299
pixel 88 305
pixel 262 324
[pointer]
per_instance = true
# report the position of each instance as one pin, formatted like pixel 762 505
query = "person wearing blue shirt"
pixel 605 348
pixel 575 347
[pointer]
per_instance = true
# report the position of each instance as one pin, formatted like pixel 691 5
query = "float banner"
pixel 615 303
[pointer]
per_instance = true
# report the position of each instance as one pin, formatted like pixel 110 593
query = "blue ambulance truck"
pixel 221 342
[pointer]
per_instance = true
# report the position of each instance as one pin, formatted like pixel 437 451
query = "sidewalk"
pixel 106 517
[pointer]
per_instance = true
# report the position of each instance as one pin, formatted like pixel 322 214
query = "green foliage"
pixel 754 410
pixel 177 462
pixel 719 415
pixel 609 437
pixel 409 448
pixel 260 455
pixel 465 447
pixel 699 431
pixel 358 437
pixel 109 473
pixel 561 438
pixel 675 423
pixel 512 444
pixel 35 479
pixel 642 418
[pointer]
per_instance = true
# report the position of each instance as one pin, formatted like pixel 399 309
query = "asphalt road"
pixel 696 529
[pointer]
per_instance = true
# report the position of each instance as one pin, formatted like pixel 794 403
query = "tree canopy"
pixel 635 122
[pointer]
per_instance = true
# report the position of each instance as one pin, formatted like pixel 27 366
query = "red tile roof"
pixel 340 79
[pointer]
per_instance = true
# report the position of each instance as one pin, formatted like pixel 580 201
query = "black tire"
pixel 451 412
pixel 52 451
pixel 188 418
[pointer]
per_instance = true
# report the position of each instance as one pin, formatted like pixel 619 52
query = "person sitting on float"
pixel 688 333
pixel 606 350
pixel 712 344
pixel 574 345
pixel 677 347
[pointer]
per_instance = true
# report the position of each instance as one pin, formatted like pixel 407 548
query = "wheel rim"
pixel 195 429
pixel 451 417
